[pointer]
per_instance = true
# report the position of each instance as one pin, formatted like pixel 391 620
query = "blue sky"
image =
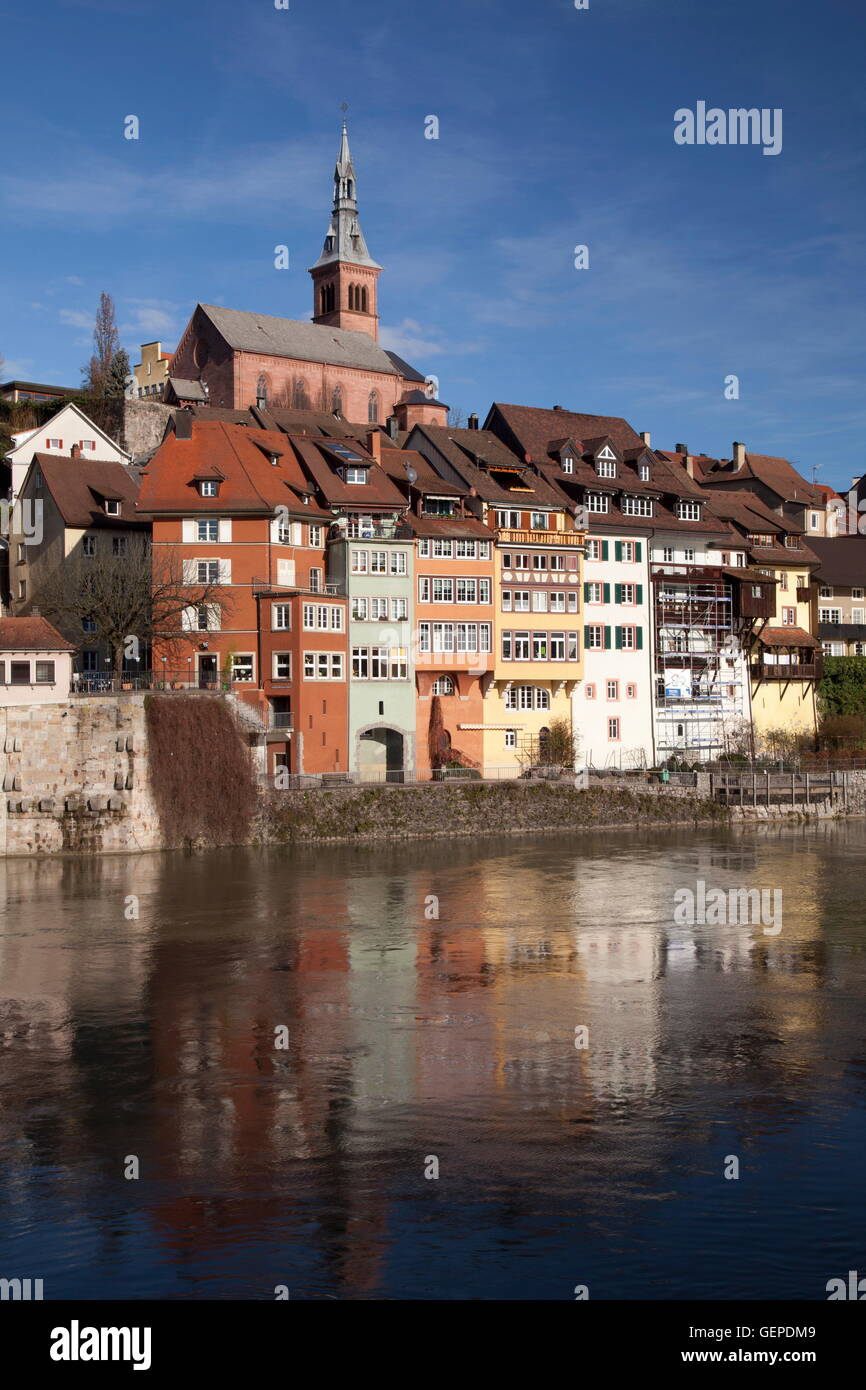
pixel 556 130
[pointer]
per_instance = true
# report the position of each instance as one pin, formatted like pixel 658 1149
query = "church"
pixel 333 364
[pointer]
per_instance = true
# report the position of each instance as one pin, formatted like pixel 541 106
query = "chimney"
pixel 374 444
pixel 689 465
pixel 645 436
pixel 183 424
pixel 739 454
pixel 558 407
pixel 681 448
pixel 391 426
pixel 75 451
pixel 473 421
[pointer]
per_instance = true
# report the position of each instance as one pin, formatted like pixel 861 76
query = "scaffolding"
pixel 701 694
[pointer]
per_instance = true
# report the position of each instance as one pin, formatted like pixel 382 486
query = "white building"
pixel 69 432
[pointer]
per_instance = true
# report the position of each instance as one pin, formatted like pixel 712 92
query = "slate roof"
pixel 305 341
pixel 842 559
pixel 31 635
pixel 533 427
pixel 187 390
pixel 78 485
pixel 778 474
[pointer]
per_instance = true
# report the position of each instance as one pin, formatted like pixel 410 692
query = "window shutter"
pixel 638 548
pixel 606 592
pixel 189 530
pixel 187 619
pixel 286 573
pixel 639 639
pixel 617 590
pixel 619 639
pixel 297 533
pixel 225 531
pixel 586 591
pixel 214 617
pixel 617 549
pixel 225 571
pixel 189 572
pixel 607 639
pixel 639 590
pixel 585 638
pixel 604 550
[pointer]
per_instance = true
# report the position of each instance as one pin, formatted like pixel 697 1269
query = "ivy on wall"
pixel 201 771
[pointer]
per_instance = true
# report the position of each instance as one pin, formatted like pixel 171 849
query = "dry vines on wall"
pixel 200 771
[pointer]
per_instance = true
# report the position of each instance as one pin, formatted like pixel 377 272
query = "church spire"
pixel 344 276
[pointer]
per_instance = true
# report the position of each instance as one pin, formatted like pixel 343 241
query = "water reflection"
pixel 414 1035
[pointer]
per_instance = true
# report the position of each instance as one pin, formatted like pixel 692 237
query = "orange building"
pixel 234 513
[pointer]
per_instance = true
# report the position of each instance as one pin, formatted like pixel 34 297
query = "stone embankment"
pixel 79 778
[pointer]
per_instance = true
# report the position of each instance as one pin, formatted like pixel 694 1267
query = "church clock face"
pixel 201 354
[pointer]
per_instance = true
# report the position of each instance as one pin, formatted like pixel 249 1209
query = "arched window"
pixel 443 685
pixel 262 393
pixel 542 699
pixel 364 300
pixel 337 400
pixel 323 300
pixel 373 408
pixel 300 399
pixel 350 188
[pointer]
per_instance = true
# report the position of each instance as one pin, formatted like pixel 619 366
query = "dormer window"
pixel 568 463
pixel 112 506
pixel 355 475
pixel 605 467
pixel 644 472
pixel 208 487
pixel 689 511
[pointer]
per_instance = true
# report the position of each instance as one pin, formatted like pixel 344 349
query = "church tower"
pixel 345 275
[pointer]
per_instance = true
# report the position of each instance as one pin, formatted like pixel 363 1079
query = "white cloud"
pixel 407 340
pixel 77 318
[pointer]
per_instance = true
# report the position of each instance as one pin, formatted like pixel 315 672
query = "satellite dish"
pixel 411 474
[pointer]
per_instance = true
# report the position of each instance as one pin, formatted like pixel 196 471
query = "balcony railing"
pixel 788 671
pixel 280 719
pixel 506 536
pixel 326 590
pixel 803 595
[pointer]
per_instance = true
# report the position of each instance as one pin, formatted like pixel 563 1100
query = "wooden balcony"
pixel 505 536
pixel 804 595
pixel 790 671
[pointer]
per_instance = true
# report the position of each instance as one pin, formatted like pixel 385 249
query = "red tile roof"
pixel 252 484
pixel 532 428
pixel 31 635
pixel 786 637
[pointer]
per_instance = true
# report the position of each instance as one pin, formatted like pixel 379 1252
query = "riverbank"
pixel 127 774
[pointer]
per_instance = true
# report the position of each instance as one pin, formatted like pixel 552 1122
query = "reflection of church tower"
pixel 345 275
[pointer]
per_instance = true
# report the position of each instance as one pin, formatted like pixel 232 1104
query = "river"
pixel 499 1069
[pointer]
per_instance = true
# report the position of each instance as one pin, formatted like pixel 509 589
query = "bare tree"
pixel 106 342
pixel 131 597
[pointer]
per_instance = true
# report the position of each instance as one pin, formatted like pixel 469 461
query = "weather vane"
pixel 344 106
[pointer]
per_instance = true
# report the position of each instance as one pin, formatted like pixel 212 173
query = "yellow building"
pixel 537 633
pixel 151 373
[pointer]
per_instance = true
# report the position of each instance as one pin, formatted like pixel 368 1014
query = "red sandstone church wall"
pixel 281 373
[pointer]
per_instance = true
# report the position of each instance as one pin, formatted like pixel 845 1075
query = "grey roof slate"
pixel 308 342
